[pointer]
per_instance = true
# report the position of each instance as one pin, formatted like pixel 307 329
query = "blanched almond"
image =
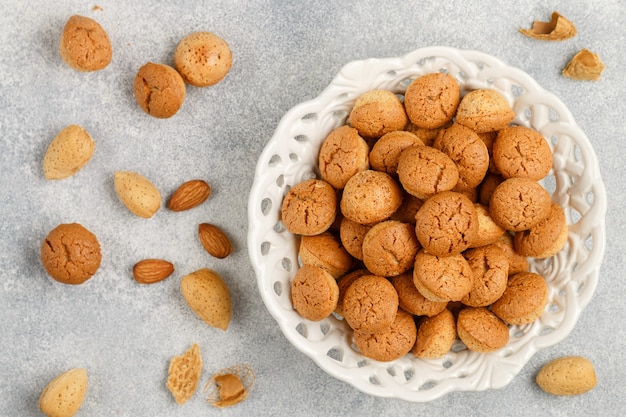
pixel 64 395
pixel 214 240
pixel 149 271
pixel 189 195
pixel 137 193
pixel 68 152
pixel 207 295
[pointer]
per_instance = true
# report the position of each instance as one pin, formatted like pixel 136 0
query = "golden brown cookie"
pixel 325 251
pixel 309 208
pixel 524 299
pixel 370 197
pixel 519 204
pixel 424 171
pixel 390 343
pixel 159 90
pixel 408 209
pixel 389 248
pixel 342 154
pixel 431 100
pixel 446 224
pixel 71 253
pixel 386 151
pixel 377 112
pixel 490 269
pixel 517 262
pixel 468 152
pixel 490 182
pixel 85 45
pixel 441 279
pixel 203 59
pixel 427 136
pixel 481 330
pixel 545 239
pixel 435 336
pixel 522 152
pixel 488 231
pixel 411 300
pixel 370 304
pixel 352 235
pixel 484 111
pixel 314 293
pixel 344 282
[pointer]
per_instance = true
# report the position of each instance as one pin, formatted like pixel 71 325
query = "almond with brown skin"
pixel 149 271
pixel 189 195
pixel 214 240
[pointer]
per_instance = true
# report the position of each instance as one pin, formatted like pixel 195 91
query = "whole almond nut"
pixel 214 240
pixel 137 193
pixel 207 295
pixel 149 271
pixel 189 195
pixel 569 375
pixel 64 395
pixel 68 152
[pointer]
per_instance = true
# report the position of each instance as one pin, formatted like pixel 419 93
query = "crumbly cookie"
pixel 159 90
pixel 390 343
pixel 203 59
pixel 468 152
pixel 408 209
pixel 377 112
pixel 352 235
pixel 325 251
pixel 85 45
pixel 424 171
pixel 490 269
pixel 519 204
pixel 441 279
pixel 309 208
pixel 481 330
pixel 370 304
pixel 342 154
pixel 524 299
pixel 344 282
pixel 484 111
pixel 488 231
pixel 545 239
pixel 314 293
pixel 370 197
pixel 435 336
pixel 71 253
pixel 386 151
pixel 446 224
pixel 517 262
pixel 411 300
pixel 522 152
pixel 389 248
pixel 431 100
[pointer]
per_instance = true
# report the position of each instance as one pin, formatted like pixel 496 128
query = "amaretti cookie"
pixel 408 209
pixel 203 58
pixel 435 336
pixel 389 248
pixel 447 278
pixel 481 330
pixel 490 270
pixel 370 304
pixel 344 282
pixel 431 100
pixel 545 239
pixel 389 343
pixel 370 197
pixel 484 111
pixel 519 204
pixel 342 154
pixel 325 251
pixel 522 152
pixel 309 208
pixel 85 45
pixel 314 293
pixel 377 112
pixel 386 151
pixel 424 171
pixel 517 262
pixel 159 90
pixel 411 300
pixel 351 235
pixel 446 224
pixel 524 299
pixel 71 253
pixel 488 231
pixel 427 136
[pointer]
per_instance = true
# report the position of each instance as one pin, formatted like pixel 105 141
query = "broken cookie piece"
pixel 557 29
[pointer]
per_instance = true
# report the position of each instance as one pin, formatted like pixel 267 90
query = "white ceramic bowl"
pixel 574 182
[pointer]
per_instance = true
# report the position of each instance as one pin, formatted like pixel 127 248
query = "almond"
pixel 68 152
pixel 214 240
pixel 149 271
pixel 568 375
pixel 64 395
pixel 189 195
pixel 137 193
pixel 207 295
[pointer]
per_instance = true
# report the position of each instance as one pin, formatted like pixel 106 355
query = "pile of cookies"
pixel 419 228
